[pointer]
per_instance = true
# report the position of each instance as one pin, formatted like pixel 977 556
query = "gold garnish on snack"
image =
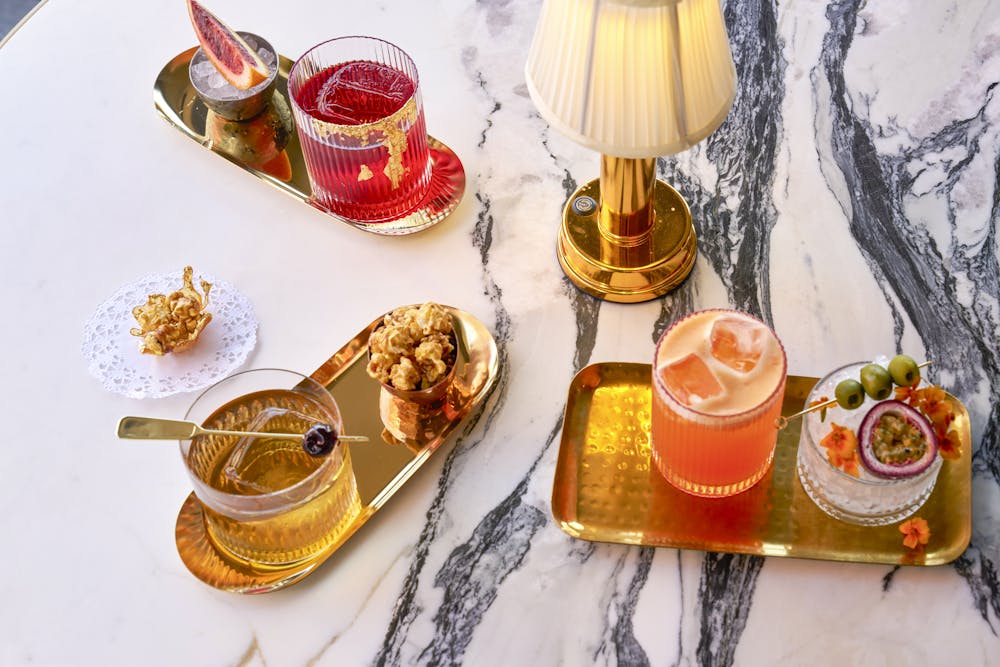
pixel 172 322
pixel 413 348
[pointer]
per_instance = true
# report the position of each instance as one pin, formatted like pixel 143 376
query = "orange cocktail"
pixel 718 383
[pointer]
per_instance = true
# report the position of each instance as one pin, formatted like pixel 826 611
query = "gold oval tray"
pixel 250 145
pixel 605 489
pixel 381 466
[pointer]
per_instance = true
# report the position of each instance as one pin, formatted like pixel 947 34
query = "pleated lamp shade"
pixel 632 78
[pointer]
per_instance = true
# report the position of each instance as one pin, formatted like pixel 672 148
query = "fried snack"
pixel 172 322
pixel 413 348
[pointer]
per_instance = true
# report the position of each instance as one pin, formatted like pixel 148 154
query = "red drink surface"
pixel 372 162
pixel 355 92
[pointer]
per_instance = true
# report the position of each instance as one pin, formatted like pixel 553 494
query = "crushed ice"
pixel 209 80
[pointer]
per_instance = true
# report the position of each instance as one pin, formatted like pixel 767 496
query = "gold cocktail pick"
pixel 151 428
pixel 782 421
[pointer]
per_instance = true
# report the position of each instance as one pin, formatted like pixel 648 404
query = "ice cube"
pixel 266 54
pixel 207 76
pixel 363 91
pixel 690 380
pixel 738 343
pixel 210 80
pixel 262 465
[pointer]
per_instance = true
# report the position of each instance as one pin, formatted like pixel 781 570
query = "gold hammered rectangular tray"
pixel 402 436
pixel 606 489
pixel 268 147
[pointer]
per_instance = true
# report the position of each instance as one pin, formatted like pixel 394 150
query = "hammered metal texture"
pixel 605 489
pixel 381 466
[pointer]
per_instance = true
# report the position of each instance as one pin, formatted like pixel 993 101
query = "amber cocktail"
pixel 267 501
pixel 718 384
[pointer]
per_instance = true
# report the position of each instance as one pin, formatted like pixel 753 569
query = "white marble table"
pixel 850 199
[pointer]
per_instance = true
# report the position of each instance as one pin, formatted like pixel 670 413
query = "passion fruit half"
pixel 895 441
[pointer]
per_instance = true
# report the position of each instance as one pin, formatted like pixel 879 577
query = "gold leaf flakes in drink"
pixel 390 132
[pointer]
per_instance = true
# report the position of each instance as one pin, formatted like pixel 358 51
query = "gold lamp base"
pixel 627 269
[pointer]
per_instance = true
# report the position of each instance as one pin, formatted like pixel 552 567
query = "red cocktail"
pixel 357 106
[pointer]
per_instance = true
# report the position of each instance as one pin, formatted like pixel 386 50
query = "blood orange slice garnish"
pixel 233 57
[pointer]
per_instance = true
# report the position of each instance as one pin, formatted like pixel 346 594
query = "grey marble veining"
pixel 947 294
pixel 850 199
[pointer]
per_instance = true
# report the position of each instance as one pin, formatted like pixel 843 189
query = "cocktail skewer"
pixel 782 421
pixel 152 428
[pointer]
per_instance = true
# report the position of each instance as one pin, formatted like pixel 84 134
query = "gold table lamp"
pixel 633 79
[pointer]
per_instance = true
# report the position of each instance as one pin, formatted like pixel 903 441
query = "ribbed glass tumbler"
pixel 357 107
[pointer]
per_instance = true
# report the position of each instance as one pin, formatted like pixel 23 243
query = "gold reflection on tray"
pixel 249 145
pixel 259 142
pixel 606 490
pixel 381 465
pixel 177 102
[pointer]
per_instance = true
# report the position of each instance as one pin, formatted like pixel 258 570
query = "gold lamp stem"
pixel 626 213
pixel 626 236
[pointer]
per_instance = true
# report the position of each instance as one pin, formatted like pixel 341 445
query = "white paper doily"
pixel 113 353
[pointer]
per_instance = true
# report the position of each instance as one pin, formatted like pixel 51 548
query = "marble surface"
pixel 850 199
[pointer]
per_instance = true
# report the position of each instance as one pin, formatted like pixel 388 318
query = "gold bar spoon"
pixel 152 428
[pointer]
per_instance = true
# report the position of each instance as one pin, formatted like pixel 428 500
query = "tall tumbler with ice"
pixel 718 384
pixel 357 107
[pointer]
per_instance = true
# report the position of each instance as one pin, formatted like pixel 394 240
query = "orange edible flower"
pixel 935 404
pixel 916 533
pixel 850 465
pixel 909 395
pixel 841 449
pixel 949 444
pixel 820 401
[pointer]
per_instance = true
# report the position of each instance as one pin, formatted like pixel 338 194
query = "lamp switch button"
pixel 584 205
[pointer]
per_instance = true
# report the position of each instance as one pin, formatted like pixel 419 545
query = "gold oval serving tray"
pixel 401 438
pixel 605 489
pixel 253 145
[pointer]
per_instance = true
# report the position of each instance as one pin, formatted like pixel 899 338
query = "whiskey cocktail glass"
pixel 267 501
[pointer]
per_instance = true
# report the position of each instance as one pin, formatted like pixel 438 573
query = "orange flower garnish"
pixel 935 404
pixel 916 533
pixel 909 395
pixel 949 444
pixel 850 465
pixel 820 401
pixel 841 449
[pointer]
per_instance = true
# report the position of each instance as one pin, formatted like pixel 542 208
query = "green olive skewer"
pixel 782 421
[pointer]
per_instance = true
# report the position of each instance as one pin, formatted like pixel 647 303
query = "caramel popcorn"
pixel 173 322
pixel 413 348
